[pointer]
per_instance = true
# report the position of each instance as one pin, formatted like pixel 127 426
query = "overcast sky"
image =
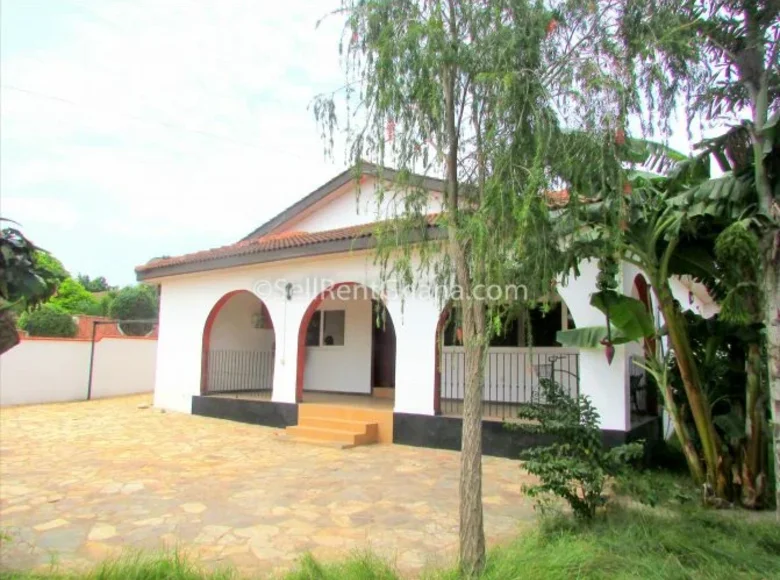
pixel 137 128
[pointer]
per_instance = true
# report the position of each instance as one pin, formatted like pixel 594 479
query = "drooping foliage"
pixel 27 279
pixel 515 104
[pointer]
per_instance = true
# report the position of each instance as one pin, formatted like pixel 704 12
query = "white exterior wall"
pixel 186 302
pixel 353 205
pixel 345 368
pixel 606 384
pixel 54 370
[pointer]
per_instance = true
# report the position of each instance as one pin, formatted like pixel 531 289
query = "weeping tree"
pixel 507 100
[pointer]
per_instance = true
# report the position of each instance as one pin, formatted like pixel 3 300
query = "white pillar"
pixel 415 323
pixel 606 384
pixel 286 316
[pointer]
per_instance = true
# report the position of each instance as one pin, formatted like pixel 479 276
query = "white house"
pixel 281 329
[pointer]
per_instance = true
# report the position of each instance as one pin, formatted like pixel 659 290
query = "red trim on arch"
pixel 443 317
pixel 204 355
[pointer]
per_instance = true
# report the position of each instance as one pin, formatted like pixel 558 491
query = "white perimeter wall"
pixel 347 368
pixel 51 370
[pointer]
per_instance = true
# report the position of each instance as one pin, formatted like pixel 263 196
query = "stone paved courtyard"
pixel 80 482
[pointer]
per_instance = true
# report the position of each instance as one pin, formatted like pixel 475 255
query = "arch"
pixel 306 319
pixel 209 326
pixel 444 316
pixel 642 290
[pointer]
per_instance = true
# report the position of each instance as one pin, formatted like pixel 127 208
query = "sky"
pixel 139 128
pixel 131 129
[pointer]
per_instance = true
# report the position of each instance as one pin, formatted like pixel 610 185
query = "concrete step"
pixel 323 434
pixel 360 427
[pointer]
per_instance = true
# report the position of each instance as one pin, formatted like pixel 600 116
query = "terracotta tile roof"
pixel 268 243
pixel 558 198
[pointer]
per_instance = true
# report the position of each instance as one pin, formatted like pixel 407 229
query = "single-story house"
pixel 291 327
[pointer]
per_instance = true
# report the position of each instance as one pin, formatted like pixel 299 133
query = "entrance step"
pixel 330 429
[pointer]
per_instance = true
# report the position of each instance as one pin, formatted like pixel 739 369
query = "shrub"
pixel 74 298
pixel 135 303
pixel 49 320
pixel 576 465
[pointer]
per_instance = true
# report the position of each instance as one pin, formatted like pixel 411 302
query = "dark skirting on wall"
pixel 439 432
pixel 265 413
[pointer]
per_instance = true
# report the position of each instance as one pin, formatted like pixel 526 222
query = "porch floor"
pixel 348 400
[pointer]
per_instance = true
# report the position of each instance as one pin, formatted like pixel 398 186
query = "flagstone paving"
pixel 80 482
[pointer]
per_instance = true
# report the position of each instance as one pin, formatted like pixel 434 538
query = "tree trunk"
pixel 717 464
pixel 9 336
pixel 772 324
pixel 683 434
pixel 753 472
pixel 472 534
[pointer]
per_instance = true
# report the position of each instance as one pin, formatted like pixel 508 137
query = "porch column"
pixel 606 384
pixel 415 363
pixel 287 315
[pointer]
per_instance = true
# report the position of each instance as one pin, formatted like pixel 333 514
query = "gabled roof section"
pixel 351 174
pixel 274 247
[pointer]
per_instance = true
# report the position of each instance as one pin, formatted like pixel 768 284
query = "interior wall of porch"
pixel 606 384
pixel 234 328
pixel 345 368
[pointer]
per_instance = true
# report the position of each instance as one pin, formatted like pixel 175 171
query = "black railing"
pixel 638 386
pixel 241 373
pixel 511 378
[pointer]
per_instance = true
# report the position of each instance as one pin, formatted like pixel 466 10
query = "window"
pixel 326 328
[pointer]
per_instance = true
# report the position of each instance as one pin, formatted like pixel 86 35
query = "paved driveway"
pixel 81 481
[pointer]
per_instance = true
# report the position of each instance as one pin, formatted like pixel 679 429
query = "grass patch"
pixel 640 543
pixel 134 566
pixel 653 487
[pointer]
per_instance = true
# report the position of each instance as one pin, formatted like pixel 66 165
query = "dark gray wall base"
pixel 265 413
pixel 445 433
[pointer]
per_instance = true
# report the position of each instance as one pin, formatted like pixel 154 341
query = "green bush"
pixel 74 298
pixel 135 303
pixel 576 465
pixel 49 320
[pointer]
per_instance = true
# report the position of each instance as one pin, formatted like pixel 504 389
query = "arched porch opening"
pixel 644 396
pixel 238 348
pixel 346 344
pixel 525 351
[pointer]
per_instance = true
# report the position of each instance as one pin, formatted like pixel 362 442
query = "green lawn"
pixel 674 539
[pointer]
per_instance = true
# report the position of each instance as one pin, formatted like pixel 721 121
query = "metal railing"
pixel 511 378
pixel 242 373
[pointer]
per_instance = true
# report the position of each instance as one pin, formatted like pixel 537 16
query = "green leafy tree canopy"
pixel 135 303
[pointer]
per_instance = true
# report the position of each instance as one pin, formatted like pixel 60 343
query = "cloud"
pixel 167 126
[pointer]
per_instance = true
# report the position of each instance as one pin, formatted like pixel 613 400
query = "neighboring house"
pixel 281 329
